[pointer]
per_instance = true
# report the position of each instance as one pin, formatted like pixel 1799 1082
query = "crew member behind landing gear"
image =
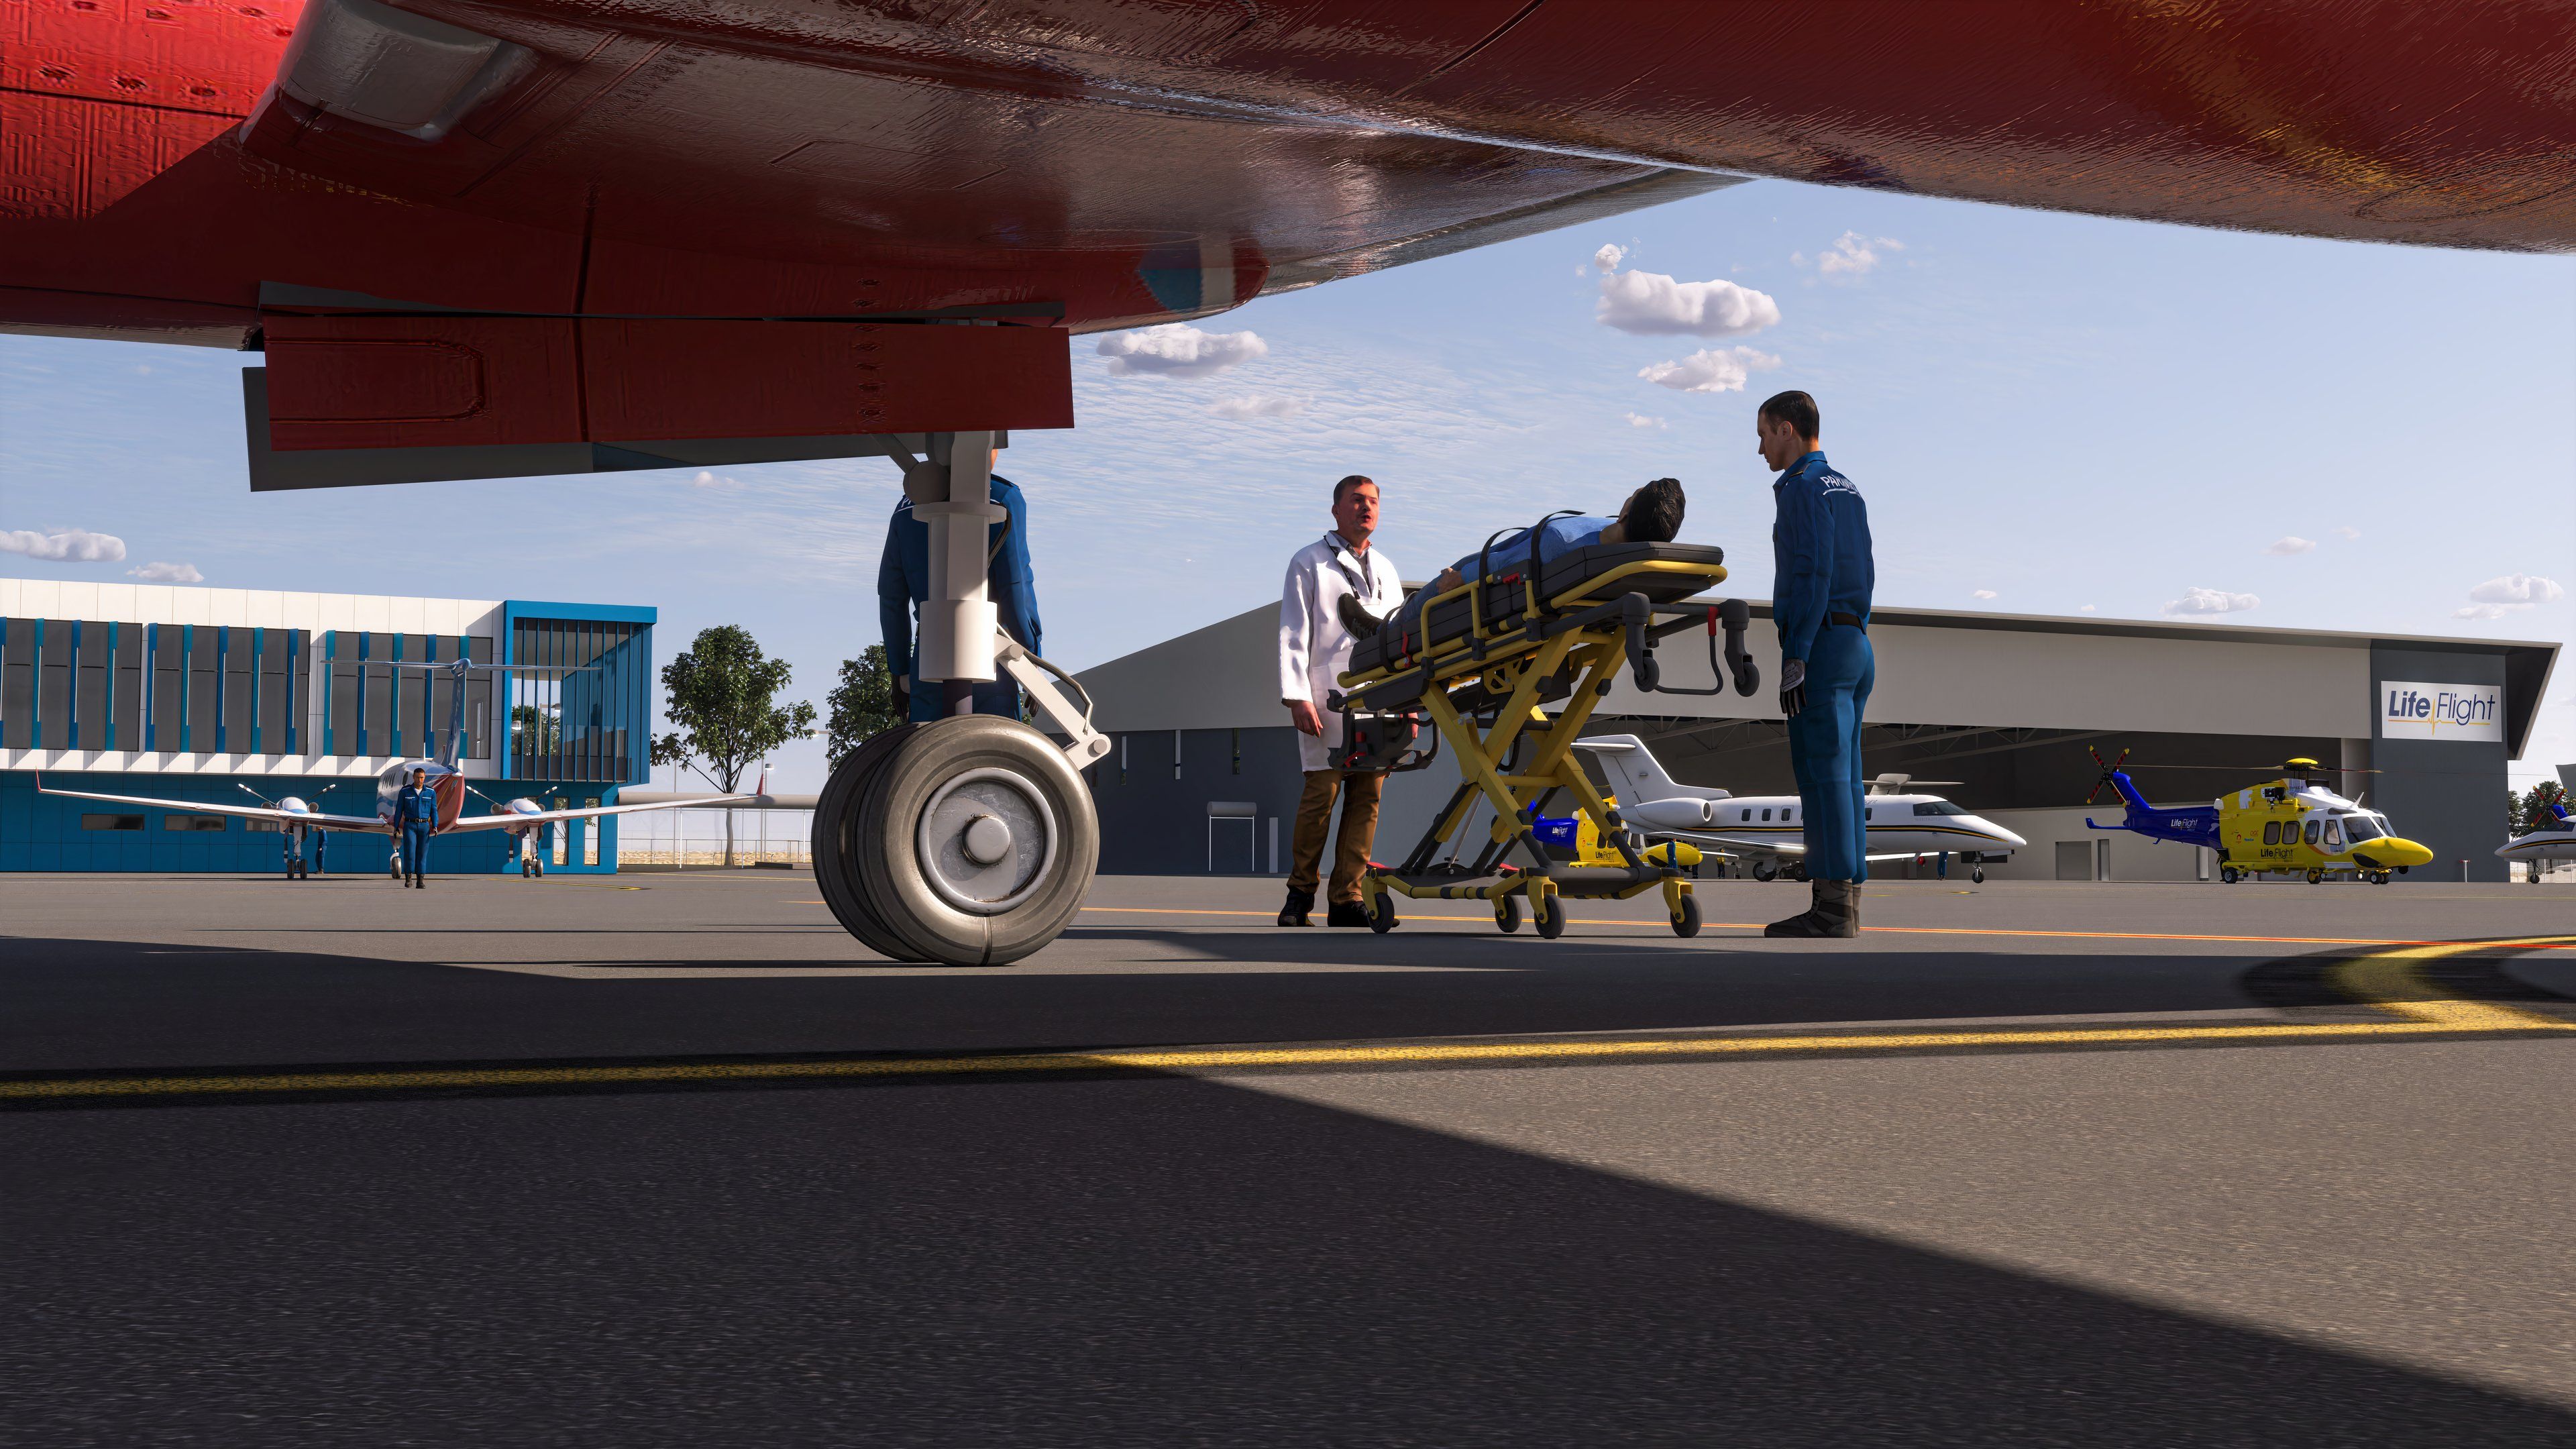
pixel 1821 579
pixel 416 816
pixel 1314 649
pixel 903 586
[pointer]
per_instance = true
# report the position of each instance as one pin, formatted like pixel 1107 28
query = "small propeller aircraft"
pixel 1766 830
pixel 2554 841
pixel 2293 825
pixel 522 817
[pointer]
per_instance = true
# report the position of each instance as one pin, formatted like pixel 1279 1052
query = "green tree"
pixel 2530 810
pixel 862 704
pixel 720 694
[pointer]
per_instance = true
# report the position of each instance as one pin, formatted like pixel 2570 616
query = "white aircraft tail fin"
pixel 1636 776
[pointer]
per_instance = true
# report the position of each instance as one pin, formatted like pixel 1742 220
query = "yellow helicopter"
pixel 2294 825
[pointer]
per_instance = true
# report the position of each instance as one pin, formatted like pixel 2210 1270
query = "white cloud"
pixel 1652 304
pixel 1853 254
pixel 1983 594
pixel 167 573
pixel 1640 420
pixel 2292 543
pixel 714 480
pixel 1177 349
pixel 2345 531
pixel 2483 611
pixel 72 545
pixel 2084 608
pixel 1246 406
pixel 2211 601
pixel 2518 591
pixel 1718 369
pixel 1609 257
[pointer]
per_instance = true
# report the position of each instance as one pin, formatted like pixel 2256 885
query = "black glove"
pixel 1793 686
pixel 902 704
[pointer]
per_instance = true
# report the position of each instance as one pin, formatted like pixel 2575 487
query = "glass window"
pixel 1748 814
pixel 2333 835
pixel 1767 814
pixel 377 722
pixel 478 700
pixel 2314 827
pixel 128 704
pixel 169 685
pixel 1937 807
pixel 176 821
pixel 2271 832
pixel 348 691
pixel 90 708
pixel 241 686
pixel 276 690
pixel 111 822
pixel 203 681
pixel 17 681
pixel 54 685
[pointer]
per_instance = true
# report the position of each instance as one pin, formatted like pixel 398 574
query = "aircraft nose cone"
pixel 2390 850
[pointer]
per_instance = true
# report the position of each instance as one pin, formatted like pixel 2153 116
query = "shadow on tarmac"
pixel 1167 1262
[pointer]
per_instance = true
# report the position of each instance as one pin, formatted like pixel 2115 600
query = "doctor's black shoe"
pixel 1355 618
pixel 1347 913
pixel 1299 910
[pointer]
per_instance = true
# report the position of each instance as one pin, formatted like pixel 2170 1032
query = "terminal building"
pixel 2006 711
pixel 204 694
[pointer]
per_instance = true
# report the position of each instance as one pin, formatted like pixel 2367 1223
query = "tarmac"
pixel 664 1159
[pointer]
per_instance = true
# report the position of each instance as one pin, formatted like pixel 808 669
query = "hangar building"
pixel 200 694
pixel 1205 776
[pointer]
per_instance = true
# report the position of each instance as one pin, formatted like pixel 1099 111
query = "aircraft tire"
pixel 1686 920
pixel 1765 871
pixel 940 793
pixel 2316 877
pixel 835 855
pixel 1977 874
pixel 2227 875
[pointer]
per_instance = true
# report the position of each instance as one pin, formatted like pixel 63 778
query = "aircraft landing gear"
pixel 2316 877
pixel 1766 871
pixel 1977 874
pixel 2229 875
pixel 968 840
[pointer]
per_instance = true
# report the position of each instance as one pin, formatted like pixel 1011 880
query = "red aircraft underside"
pixel 624 230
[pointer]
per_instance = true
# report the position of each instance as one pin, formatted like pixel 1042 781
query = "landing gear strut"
pixel 969 840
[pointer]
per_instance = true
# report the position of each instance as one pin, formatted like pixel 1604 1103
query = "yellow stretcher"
pixel 1477 667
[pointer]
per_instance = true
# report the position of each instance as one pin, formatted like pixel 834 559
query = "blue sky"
pixel 2046 413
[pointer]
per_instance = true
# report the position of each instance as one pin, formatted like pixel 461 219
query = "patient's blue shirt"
pixel 1556 538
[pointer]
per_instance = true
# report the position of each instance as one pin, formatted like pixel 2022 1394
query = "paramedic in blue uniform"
pixel 1821 578
pixel 416 816
pixel 903 586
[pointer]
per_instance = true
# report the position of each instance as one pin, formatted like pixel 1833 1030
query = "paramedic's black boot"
pixel 1834 914
pixel 1299 910
pixel 1358 620
pixel 1347 913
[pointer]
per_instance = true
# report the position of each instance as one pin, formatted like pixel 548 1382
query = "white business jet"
pixel 522 817
pixel 2554 841
pixel 1766 831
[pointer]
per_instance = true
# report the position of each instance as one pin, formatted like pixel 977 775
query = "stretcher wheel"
pixel 1381 912
pixel 1686 920
pixel 1507 913
pixel 973 840
pixel 835 855
pixel 1549 916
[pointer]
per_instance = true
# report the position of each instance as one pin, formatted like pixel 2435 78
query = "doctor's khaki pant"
pixel 1359 791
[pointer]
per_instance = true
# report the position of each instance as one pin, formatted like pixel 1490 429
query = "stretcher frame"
pixel 1569 647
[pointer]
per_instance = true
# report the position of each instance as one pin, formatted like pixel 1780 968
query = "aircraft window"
pixel 1748 814
pixel 1767 814
pixel 2334 834
pixel 2314 828
pixel 1937 807
pixel 2271 832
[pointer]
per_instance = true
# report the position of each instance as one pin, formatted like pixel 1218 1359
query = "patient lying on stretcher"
pixel 1652 514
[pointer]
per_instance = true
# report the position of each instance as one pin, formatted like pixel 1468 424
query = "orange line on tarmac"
pixel 1876 930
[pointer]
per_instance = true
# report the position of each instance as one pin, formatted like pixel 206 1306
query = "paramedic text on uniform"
pixel 1822 577
pixel 1314 649
pixel 903 586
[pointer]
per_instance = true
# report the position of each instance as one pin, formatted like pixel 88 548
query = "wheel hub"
pixel 988 840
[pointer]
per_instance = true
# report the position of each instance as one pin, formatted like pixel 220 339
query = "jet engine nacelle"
pixel 1672 814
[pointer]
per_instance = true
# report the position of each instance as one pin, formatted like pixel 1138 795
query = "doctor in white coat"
pixel 1314 648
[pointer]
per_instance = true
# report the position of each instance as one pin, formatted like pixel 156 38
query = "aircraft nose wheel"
pixel 1977 874
pixel 969 841
pixel 1766 872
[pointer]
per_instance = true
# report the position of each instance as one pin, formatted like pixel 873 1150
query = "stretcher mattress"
pixel 1503 599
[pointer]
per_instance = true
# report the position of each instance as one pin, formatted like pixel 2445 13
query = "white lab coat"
pixel 1314 648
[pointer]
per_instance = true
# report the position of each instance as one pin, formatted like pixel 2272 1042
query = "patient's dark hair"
pixel 1347 484
pixel 1797 410
pixel 1654 512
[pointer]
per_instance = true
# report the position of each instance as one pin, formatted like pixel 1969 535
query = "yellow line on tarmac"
pixel 2387 979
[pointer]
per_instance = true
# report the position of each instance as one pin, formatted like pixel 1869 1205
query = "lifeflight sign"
pixel 2411 710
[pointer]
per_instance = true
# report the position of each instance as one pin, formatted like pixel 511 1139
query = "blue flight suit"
pixel 1821 566
pixel 416 815
pixel 903 586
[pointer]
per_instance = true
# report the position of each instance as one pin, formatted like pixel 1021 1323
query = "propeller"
pixel 2108 769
